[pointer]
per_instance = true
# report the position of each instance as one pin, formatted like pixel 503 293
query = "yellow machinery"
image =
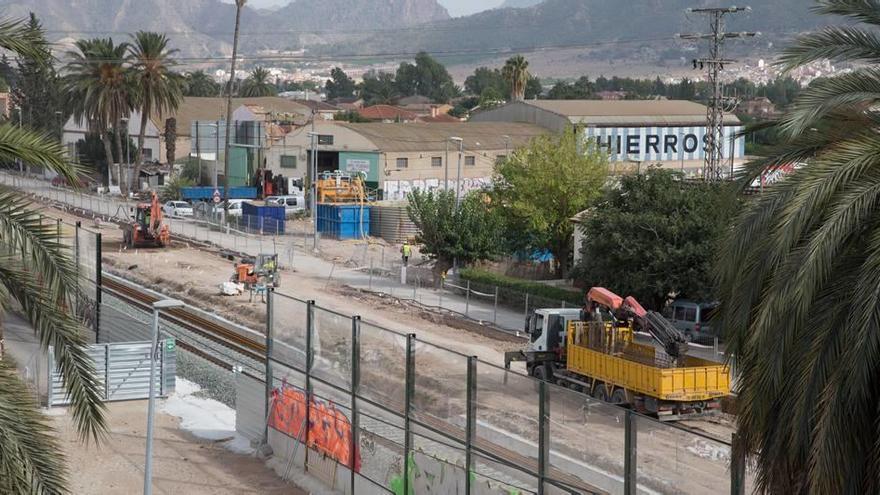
pixel 339 187
pixel 592 350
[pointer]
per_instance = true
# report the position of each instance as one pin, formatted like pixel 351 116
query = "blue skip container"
pixel 260 217
pixel 344 221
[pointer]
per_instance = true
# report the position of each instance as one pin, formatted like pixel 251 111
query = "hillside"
pixel 204 27
pixel 644 25
pixel 519 4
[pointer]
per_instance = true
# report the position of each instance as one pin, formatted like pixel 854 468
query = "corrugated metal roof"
pixel 209 109
pixel 415 137
pixel 620 112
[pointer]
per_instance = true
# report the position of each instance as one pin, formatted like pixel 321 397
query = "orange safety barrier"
pixel 329 429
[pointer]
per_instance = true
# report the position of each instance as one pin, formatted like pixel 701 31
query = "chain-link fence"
pixel 412 417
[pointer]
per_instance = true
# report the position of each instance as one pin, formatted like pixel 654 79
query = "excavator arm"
pixel 660 329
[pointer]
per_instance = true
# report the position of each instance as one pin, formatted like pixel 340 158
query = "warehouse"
pixel 397 158
pixel 635 133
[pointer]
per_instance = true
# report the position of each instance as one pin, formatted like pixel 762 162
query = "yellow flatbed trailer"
pixel 605 360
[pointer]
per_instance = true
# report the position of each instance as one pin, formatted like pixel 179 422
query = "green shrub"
pixel 518 285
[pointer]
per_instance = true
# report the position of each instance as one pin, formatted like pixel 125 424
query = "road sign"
pixel 169 344
pixel 216 195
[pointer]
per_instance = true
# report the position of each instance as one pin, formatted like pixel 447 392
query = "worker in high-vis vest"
pixel 406 251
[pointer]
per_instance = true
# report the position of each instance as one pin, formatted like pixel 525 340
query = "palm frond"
pixel 18 37
pixel 32 147
pixel 835 43
pixel 867 11
pixel 29 453
pixel 853 92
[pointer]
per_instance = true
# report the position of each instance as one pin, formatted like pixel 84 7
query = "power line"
pixel 714 163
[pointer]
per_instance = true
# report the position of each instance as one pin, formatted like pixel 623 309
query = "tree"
pixel 799 272
pixel 534 89
pixel 582 89
pixel 516 73
pixel 426 78
pixel 543 185
pixel 37 90
pixel 469 233
pixel 379 88
pixel 90 151
pixel 490 98
pixel 484 78
pixel 158 89
pixel 351 116
pixel 200 84
pixel 258 84
pixel 339 85
pixel 98 88
pixel 38 274
pixel 654 235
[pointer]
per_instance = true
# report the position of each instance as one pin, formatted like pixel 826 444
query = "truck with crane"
pixel 592 350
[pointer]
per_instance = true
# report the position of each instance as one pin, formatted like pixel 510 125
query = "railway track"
pixel 248 346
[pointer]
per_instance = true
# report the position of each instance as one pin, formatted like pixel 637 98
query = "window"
pixel 325 139
pixel 288 161
pixel 679 313
pixel 402 162
pixel 690 314
pixel 500 158
pixel 148 154
pixel 470 161
pixel 436 161
pixel 291 201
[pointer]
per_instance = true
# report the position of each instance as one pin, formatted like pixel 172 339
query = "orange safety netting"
pixel 329 430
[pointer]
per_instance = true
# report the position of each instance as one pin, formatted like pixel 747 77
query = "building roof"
pixel 319 106
pixel 442 117
pixel 414 100
pixel 628 112
pixel 386 112
pixel 206 109
pixel 415 137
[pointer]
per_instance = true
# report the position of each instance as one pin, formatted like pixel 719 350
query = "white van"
pixel 291 204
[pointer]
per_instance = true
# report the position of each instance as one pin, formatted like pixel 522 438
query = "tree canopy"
pixel 37 89
pixel 198 83
pixel 258 84
pixel 339 85
pixel 469 233
pixel 427 77
pixel 654 235
pixel 541 186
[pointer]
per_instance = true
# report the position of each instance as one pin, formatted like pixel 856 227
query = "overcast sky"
pixel 455 7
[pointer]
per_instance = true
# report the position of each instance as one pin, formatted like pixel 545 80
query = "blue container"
pixel 266 219
pixel 344 221
pixel 206 193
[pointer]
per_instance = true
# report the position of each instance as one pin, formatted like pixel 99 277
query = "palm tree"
pixel 516 72
pixel 38 274
pixel 258 84
pixel 800 272
pixel 200 84
pixel 159 90
pixel 99 90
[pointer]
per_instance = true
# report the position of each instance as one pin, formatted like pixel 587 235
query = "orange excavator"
pixel 146 228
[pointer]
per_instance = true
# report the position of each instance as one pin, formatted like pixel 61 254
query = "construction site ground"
pixel 194 272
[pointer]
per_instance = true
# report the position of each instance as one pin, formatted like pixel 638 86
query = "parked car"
pixel 291 204
pixel 234 207
pixel 693 319
pixel 177 209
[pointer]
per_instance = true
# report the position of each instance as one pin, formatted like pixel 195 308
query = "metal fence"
pixel 408 406
pixel 123 369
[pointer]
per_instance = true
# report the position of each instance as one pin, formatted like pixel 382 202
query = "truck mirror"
pixel 528 329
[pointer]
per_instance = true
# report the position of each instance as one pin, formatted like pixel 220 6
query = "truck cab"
pixel 546 328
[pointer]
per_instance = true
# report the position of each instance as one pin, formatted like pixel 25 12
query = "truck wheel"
pixel 619 397
pixel 540 372
pixel 600 392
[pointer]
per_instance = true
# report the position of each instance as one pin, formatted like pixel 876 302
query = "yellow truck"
pixel 593 351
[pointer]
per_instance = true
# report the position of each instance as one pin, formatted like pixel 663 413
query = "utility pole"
pixel 239 4
pixel 714 168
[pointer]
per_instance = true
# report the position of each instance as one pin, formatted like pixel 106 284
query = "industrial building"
pixel 397 158
pixel 635 133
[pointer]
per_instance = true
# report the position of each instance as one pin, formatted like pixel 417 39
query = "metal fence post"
pixel 106 372
pixel 407 406
pixel 99 283
pixel 310 330
pixel 58 231
pixel 355 389
pixel 77 263
pixel 470 422
pixel 543 435
pixel 467 299
pixel 50 368
pixel 442 283
pixel 526 313
pixel 737 467
pixel 270 343
pixel 630 449
pixel 371 272
pixel 495 309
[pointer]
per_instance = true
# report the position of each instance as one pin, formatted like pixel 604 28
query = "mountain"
pixel 600 26
pixel 202 28
pixel 519 4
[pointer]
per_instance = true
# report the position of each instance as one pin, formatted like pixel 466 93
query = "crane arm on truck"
pixel 660 329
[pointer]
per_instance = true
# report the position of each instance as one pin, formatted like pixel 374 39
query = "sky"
pixel 455 7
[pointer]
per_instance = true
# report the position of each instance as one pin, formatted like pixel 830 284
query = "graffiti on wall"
pixel 431 475
pixel 329 430
pixel 396 190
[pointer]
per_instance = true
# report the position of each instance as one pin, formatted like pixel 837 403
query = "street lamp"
pixel 460 142
pixel 20 162
pixel 158 306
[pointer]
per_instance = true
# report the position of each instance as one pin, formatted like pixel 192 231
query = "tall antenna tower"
pixel 714 164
